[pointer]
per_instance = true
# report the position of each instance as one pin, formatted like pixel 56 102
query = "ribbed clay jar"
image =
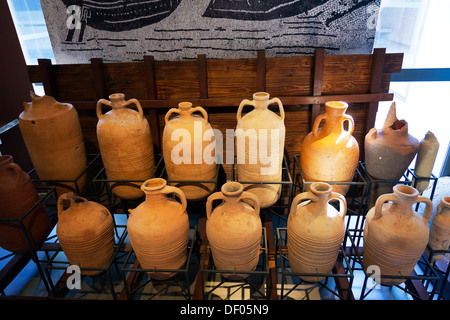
pixel 159 229
pixel 234 230
pixel 17 197
pixel 52 134
pixel 126 146
pixel 315 231
pixel 330 153
pixel 395 236
pixel 440 229
pixel 85 232
pixel 388 153
pixel 187 156
pixel 260 137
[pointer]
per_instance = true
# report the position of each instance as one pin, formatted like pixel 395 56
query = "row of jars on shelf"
pixel 52 134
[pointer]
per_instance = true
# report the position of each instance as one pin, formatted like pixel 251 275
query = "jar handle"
pixel 215 196
pixel 169 113
pixel 179 193
pixel 280 106
pixel 351 122
pixel 317 122
pixel 299 198
pixel 17 170
pixel 138 105
pixel 428 211
pixel 342 201
pixel 380 201
pixel 99 107
pixel 243 103
pixel 201 110
pixel 67 198
pixel 254 198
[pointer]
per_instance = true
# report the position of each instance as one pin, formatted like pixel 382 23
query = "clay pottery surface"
pixel 426 156
pixel 17 198
pixel 395 236
pixel 126 145
pixel 159 229
pixel 388 153
pixel 315 231
pixel 440 229
pixel 52 134
pixel 85 232
pixel 260 137
pixel 330 153
pixel 184 148
pixel 234 230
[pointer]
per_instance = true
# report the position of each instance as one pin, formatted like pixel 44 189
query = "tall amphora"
pixel 126 146
pixel 330 153
pixel 395 236
pixel 260 137
pixel 315 231
pixel 52 134
pixel 234 230
pixel 189 150
pixel 158 229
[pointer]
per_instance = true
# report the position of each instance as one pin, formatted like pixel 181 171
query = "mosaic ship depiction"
pixel 259 10
pixel 121 15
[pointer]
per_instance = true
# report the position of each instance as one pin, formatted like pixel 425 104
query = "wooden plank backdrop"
pixel 303 83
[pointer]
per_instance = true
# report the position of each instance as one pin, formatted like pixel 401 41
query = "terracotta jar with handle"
pixel 234 230
pixel 159 229
pixel 315 231
pixel 85 232
pixel 126 145
pixel 18 196
pixel 330 153
pixel 395 236
pixel 440 229
pixel 388 153
pixel 193 157
pixel 260 137
pixel 52 134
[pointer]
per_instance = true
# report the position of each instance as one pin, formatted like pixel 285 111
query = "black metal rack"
pixel 341 271
pixel 181 280
pixel 209 273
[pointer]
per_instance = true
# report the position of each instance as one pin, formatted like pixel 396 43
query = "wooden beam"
pixel 153 119
pixel 319 58
pixel 47 77
pixel 261 71
pixel 99 78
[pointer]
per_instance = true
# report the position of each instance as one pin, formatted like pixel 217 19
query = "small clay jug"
pixel 315 231
pixel 440 229
pixel 85 232
pixel 426 156
pixel 126 146
pixel 188 160
pixel 395 236
pixel 388 153
pixel 159 229
pixel 18 196
pixel 260 136
pixel 52 134
pixel 234 230
pixel 330 153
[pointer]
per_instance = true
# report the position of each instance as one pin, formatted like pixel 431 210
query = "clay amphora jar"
pixel 234 230
pixel 188 162
pixel 159 229
pixel 440 229
pixel 260 136
pixel 388 153
pixel 315 231
pixel 330 153
pixel 52 134
pixel 17 197
pixel 126 145
pixel 85 232
pixel 395 236
pixel 426 156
